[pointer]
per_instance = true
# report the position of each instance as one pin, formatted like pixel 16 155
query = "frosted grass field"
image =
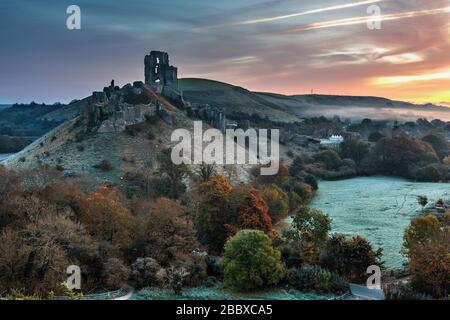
pixel 214 293
pixel 379 208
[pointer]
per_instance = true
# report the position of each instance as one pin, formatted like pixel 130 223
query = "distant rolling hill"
pixel 281 107
pixel 232 99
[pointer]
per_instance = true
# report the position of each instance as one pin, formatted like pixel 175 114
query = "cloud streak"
pixel 297 14
pixel 365 19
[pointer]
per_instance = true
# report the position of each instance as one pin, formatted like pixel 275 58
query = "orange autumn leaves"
pixel 254 214
pixel 225 211
pixel 106 217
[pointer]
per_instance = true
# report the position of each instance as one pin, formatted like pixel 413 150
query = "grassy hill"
pixel 232 99
pixel 132 154
pixel 287 108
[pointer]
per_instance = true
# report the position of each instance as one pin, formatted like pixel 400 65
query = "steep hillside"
pixel 128 137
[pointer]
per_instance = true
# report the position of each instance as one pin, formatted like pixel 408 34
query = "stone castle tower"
pixel 159 73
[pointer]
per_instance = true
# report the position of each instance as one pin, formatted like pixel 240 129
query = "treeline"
pixel 212 233
pixel 24 119
pixel 399 155
pixel 11 144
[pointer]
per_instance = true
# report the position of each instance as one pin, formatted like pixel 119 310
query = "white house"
pixel 334 140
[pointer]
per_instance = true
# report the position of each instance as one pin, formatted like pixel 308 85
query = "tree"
pixel 106 217
pixel 277 201
pixel 309 225
pixel 253 213
pixel 302 189
pixel 312 181
pixel 430 266
pixel 402 156
pixel 431 172
pixel 171 182
pixel 214 212
pixel 329 158
pixel 250 261
pixel 439 144
pixel 375 136
pixel 162 232
pixel 205 171
pixel 279 178
pixel 296 167
pixel 308 233
pixel 350 257
pixel 354 149
pixel 422 230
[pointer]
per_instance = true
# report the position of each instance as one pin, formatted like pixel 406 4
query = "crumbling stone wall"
pixel 110 110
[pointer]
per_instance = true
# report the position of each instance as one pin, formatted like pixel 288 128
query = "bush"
pixel 214 266
pixel 104 165
pixel 115 273
pixel 375 136
pixel 317 279
pixel 303 190
pixel 296 167
pixel 350 257
pixel 312 181
pixel 147 272
pixel 309 225
pixel 329 158
pixel 251 262
pixel 431 172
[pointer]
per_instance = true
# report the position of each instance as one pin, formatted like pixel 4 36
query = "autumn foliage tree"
pixel 162 232
pixel 427 245
pixel 430 266
pixel 214 212
pixel 254 213
pixel 279 178
pixel 277 201
pixel 422 230
pixel 251 262
pixel 106 217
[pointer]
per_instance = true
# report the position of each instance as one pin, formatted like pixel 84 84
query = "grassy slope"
pixel 231 99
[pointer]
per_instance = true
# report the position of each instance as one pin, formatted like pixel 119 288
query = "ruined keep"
pixel 159 73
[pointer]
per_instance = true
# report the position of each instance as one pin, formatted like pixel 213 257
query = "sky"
pixel 283 46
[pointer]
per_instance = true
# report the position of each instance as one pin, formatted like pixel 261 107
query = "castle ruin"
pixel 161 76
